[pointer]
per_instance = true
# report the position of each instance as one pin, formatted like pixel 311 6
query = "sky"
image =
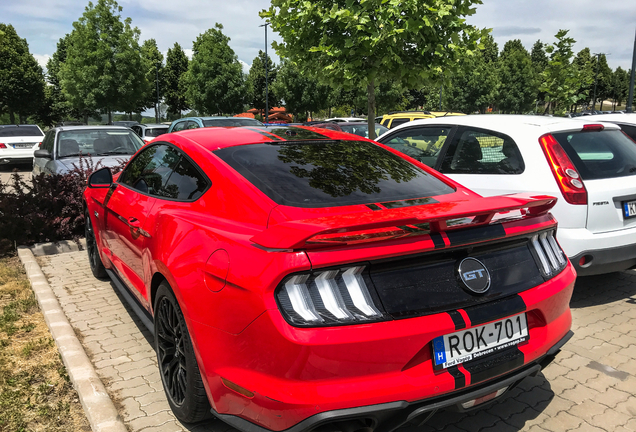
pixel 606 26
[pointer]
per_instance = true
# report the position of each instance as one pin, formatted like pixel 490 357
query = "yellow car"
pixel 396 118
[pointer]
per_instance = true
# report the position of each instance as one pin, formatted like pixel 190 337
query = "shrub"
pixel 48 208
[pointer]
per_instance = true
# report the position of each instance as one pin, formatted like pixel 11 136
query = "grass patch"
pixel 35 391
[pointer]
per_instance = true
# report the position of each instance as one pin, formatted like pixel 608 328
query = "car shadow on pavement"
pixel 511 412
pixel 603 289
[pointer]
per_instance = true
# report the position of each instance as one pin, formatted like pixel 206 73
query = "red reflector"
pixel 593 127
pixel 2 145
pixel 582 261
pixel 40 145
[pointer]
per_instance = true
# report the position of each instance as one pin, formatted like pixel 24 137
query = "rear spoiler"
pixel 295 234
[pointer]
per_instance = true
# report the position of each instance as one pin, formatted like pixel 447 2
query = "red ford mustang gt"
pixel 296 278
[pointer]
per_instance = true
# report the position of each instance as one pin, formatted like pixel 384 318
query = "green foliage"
pixel 153 63
pixel 474 87
pixel 361 44
pixel 560 81
pixel 620 86
pixel 585 65
pixel 21 77
pixel 517 89
pixel 214 82
pixel 300 93
pixel 256 82
pixel 103 68
pixel 604 79
pixel 174 91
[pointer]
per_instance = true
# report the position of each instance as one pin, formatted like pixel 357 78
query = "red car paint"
pixel 225 254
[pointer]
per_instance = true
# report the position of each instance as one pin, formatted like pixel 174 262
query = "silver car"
pixel 108 146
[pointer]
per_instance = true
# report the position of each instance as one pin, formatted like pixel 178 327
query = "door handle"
pixel 133 223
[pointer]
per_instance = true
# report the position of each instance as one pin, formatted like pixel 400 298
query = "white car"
pixel 345 119
pixel 18 143
pixel 589 166
pixel 627 121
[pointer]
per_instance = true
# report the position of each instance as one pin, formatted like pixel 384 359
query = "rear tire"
pixel 95 261
pixel 177 363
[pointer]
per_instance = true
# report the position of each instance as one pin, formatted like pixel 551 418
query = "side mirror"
pixel 102 178
pixel 44 154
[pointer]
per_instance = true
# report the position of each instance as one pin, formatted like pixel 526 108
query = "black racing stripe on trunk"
pixel 491 366
pixel 495 310
pixel 408 203
pixel 460 378
pixel 474 235
pixel 374 207
pixel 437 240
pixel 458 320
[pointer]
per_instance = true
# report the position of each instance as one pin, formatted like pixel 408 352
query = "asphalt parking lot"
pixel 591 386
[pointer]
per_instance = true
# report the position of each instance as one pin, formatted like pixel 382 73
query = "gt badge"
pixel 474 275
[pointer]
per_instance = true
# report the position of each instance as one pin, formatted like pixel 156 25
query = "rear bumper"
pixel 387 417
pixel 604 252
pixel 297 378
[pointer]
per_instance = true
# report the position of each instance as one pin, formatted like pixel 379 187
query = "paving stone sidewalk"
pixel 590 387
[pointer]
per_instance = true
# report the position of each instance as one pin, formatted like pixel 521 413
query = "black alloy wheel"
pixel 95 261
pixel 177 363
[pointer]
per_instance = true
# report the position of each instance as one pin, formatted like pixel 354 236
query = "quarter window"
pixel 49 140
pixel 179 126
pixel 423 144
pixel 483 152
pixel 398 121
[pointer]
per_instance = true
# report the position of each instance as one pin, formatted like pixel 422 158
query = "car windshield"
pixel 363 129
pixel 600 155
pixel 155 132
pixel 238 121
pixel 98 142
pixel 18 131
pixel 331 173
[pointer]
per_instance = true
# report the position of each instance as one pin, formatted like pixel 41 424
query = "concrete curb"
pixel 41 249
pixel 99 408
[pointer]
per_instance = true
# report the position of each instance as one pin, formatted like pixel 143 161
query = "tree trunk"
pixel 11 117
pixel 85 118
pixel 371 108
pixel 110 117
pixel 601 108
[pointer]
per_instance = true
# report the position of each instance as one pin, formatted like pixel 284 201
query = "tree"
pixel 490 50
pixel 539 62
pixel 256 82
pixel 585 64
pixel 299 93
pixel 153 61
pixel 21 77
pixel 174 93
pixel 560 81
pixel 361 44
pixel 517 88
pixel 604 79
pixel 214 81
pixel 103 67
pixel 474 87
pixel 620 86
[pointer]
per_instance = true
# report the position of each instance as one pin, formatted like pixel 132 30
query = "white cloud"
pixel 246 67
pixel 42 59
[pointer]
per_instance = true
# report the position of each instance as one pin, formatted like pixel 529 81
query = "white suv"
pixel 18 143
pixel 589 166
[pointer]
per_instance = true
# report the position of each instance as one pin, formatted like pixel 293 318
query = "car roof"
pixel 87 128
pixel 628 118
pixel 204 118
pixel 154 125
pixel 222 137
pixel 501 122
pixel 18 125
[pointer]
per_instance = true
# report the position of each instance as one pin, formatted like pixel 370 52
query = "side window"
pixel 398 121
pixel 150 170
pixel 191 125
pixel 421 143
pixel 137 130
pixel 483 152
pixel 385 122
pixel 179 126
pixel 629 130
pixel 48 141
pixel 185 183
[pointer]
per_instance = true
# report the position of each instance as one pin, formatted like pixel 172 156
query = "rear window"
pixel 333 173
pixel 155 132
pixel 600 155
pixel 18 131
pixel 232 122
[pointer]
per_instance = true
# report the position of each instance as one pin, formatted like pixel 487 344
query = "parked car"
pixel 125 123
pixel 18 142
pixel 583 163
pixel 397 118
pixel 345 119
pixel 148 132
pixel 62 146
pixel 356 128
pixel 626 121
pixel 299 277
pixel 201 122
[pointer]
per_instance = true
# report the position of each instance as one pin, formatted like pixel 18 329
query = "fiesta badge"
pixel 474 275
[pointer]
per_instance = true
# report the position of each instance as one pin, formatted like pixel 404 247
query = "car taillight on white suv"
pixel 567 177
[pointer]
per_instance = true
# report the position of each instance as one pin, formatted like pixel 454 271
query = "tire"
pixel 95 261
pixel 177 363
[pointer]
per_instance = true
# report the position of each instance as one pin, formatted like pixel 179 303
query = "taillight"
pixel 551 257
pixel 2 145
pixel 328 297
pixel 564 171
pixel 39 145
